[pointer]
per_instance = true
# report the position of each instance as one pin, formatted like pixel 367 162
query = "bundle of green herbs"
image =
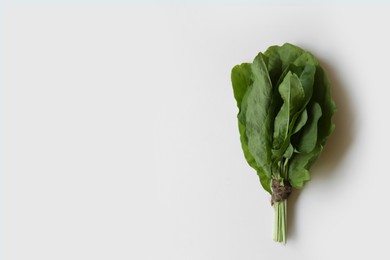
pixel 284 119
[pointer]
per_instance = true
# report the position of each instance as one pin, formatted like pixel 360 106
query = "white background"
pixel 121 138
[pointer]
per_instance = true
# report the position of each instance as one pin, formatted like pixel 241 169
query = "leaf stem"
pixel 280 225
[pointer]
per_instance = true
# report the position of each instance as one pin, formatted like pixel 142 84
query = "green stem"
pixel 280 227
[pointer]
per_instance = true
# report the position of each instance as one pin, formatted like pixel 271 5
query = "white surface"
pixel 121 138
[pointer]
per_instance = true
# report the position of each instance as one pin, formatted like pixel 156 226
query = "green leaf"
pixel 280 57
pixel 293 97
pixel 244 144
pixel 265 180
pixel 322 96
pixel 301 121
pixel 289 152
pixel 298 176
pixel 258 119
pixel 298 169
pixel 306 58
pixel 307 80
pixel 241 80
pixel 308 139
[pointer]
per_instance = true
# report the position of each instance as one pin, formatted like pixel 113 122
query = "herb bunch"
pixel 284 119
